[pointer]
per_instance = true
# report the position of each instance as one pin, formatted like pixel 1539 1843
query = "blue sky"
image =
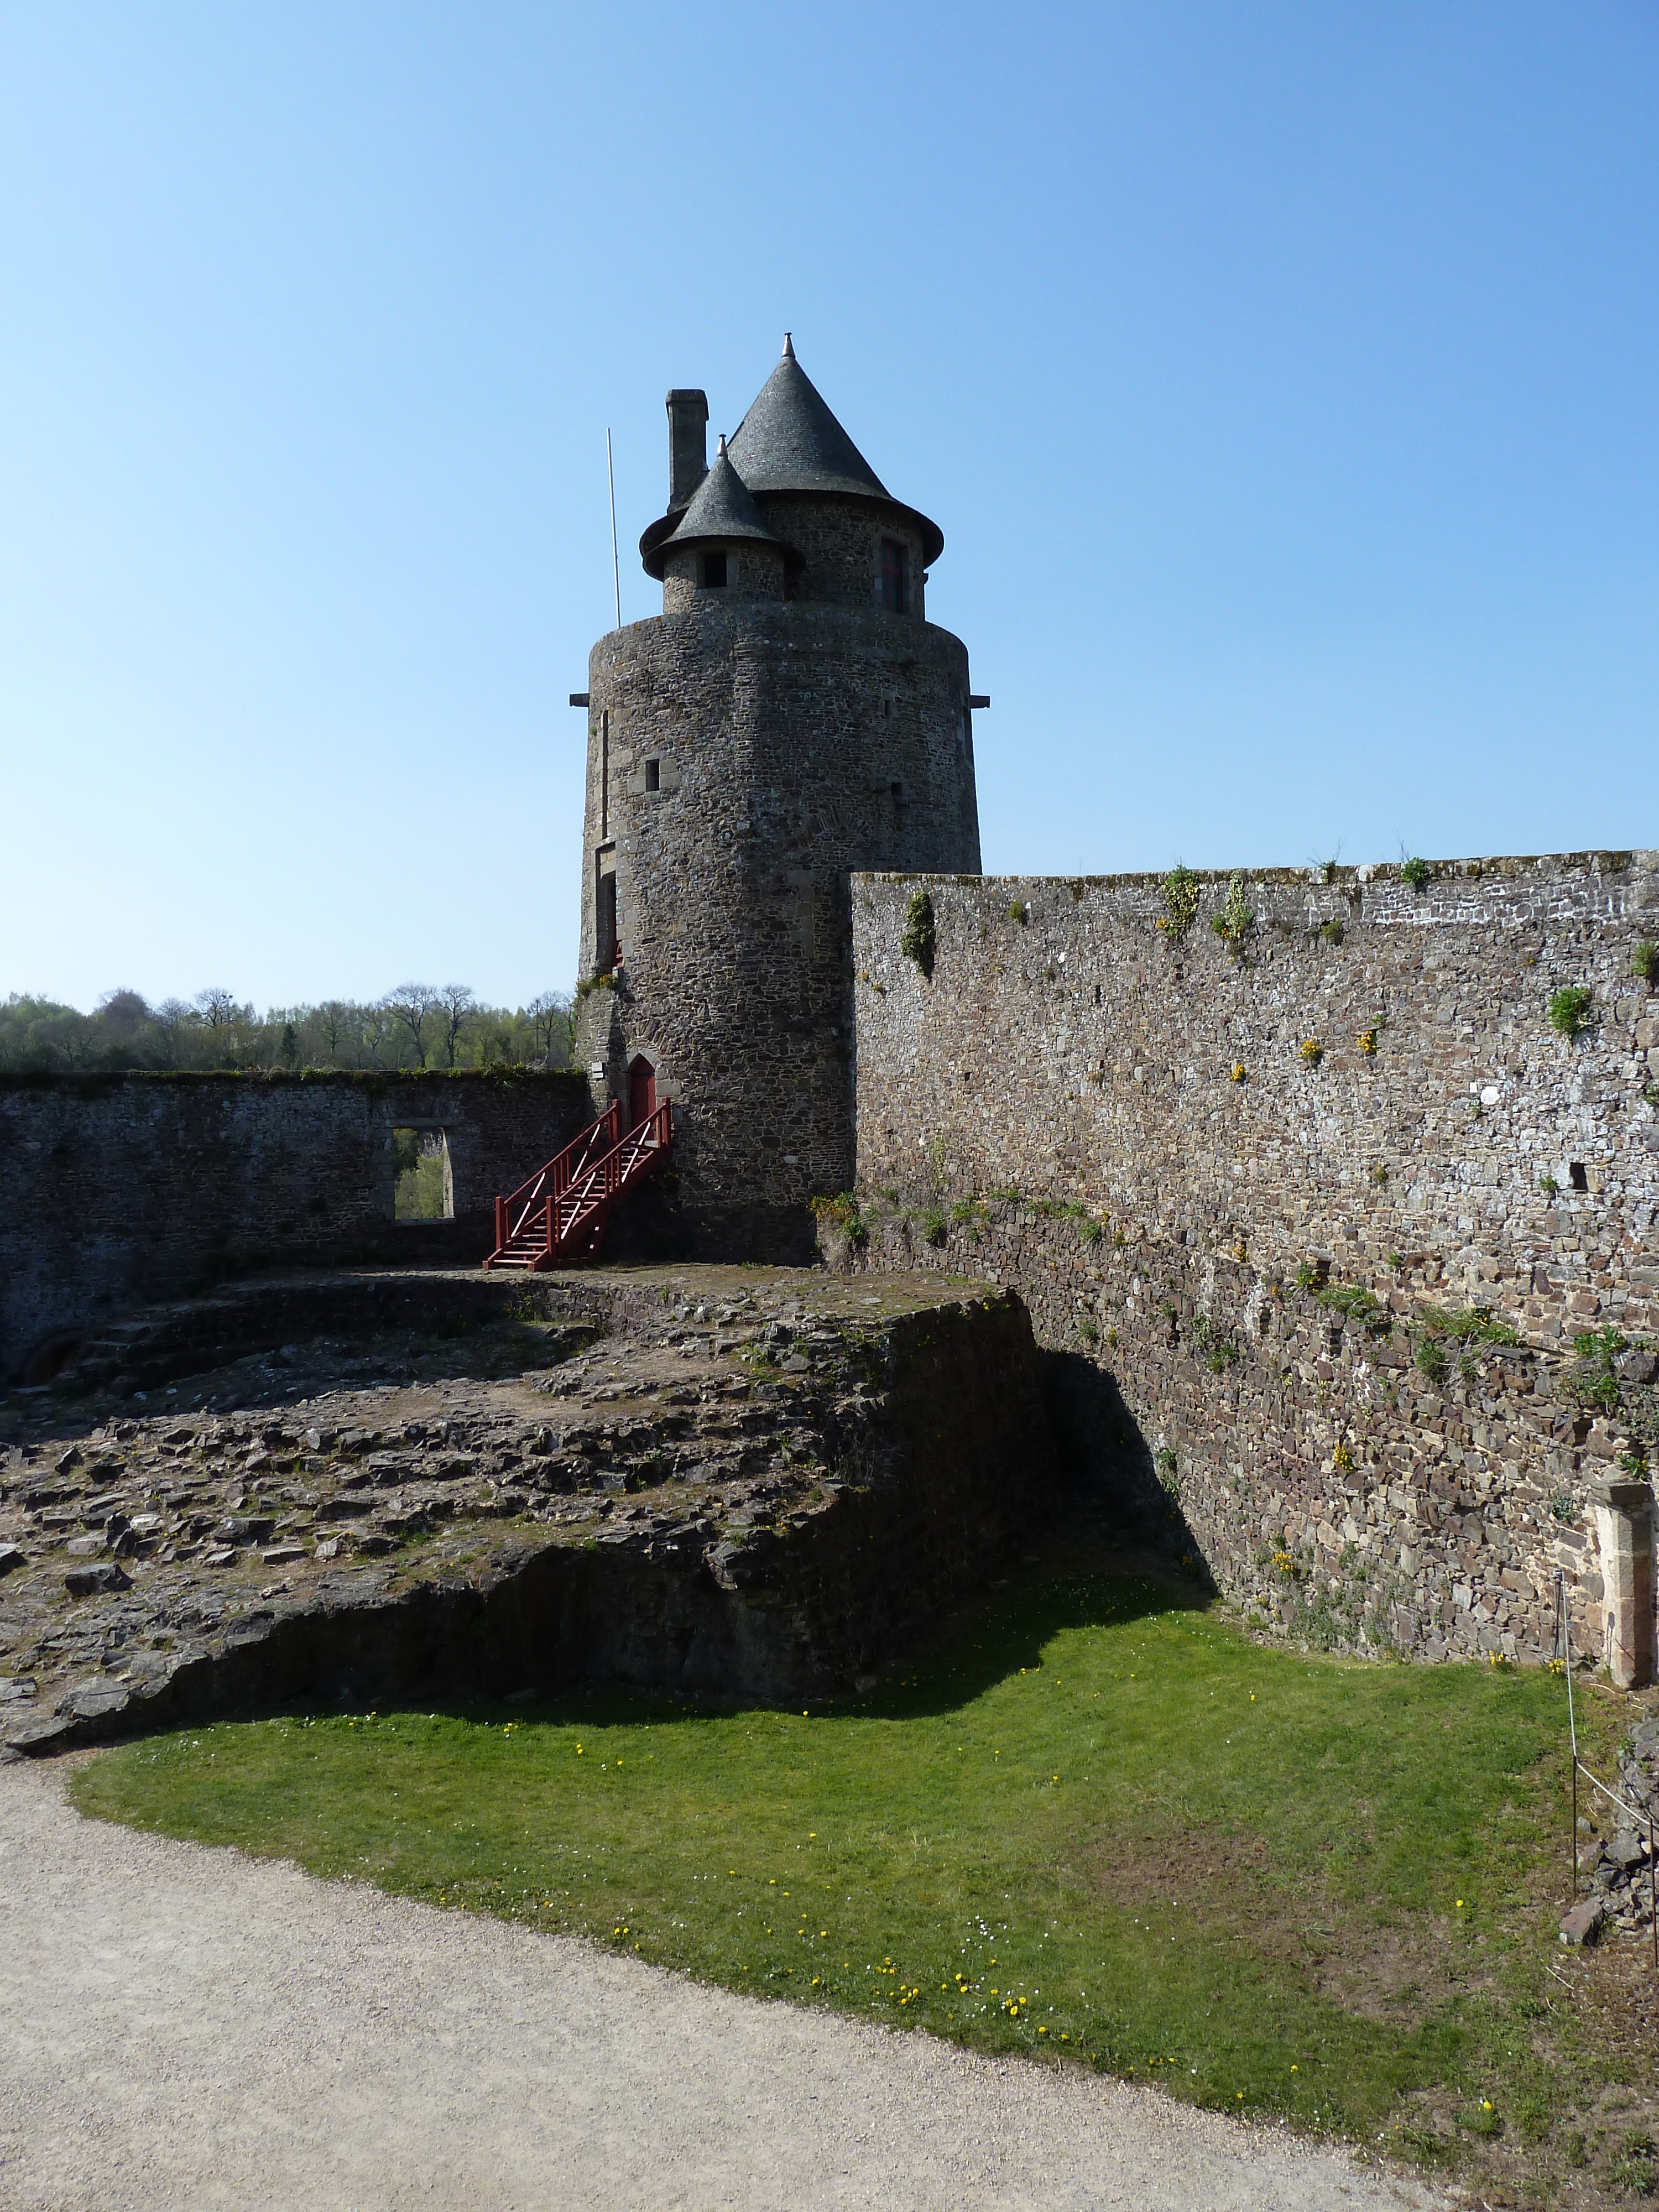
pixel 1283 379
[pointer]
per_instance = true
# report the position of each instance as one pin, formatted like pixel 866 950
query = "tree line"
pixel 416 1025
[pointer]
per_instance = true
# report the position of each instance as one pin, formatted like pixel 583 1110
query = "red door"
pixel 642 1091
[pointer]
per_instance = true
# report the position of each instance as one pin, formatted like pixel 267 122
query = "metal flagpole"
pixel 616 563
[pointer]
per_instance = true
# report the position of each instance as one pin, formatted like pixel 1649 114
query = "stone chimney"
pixel 688 446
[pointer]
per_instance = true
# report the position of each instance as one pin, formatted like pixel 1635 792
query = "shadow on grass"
pixel 980 1647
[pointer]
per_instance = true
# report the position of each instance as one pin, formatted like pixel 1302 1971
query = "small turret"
pixel 721 545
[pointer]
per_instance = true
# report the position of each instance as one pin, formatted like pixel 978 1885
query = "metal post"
pixel 616 562
pixel 1563 1645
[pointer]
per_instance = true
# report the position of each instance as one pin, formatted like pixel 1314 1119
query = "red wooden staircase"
pixel 560 1214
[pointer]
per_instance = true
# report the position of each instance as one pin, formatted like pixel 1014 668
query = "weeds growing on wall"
pixel 1312 1052
pixel 1357 1304
pixel 1468 1325
pixel 932 1219
pixel 1018 911
pixel 1432 1359
pixel 1235 920
pixel 1466 1330
pixel 1572 1009
pixel 1181 896
pixel 1217 1352
pixel 1167 1467
pixel 1594 1383
pixel 1415 871
pixel 918 937
pixel 844 1215
pixel 1644 962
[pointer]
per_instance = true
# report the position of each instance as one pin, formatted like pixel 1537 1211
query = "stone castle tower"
pixel 791 717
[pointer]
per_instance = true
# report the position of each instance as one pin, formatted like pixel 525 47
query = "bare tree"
pixel 412 1007
pixel 455 1003
pixel 217 1007
pixel 376 1031
pixel 551 1013
pixel 332 1017
pixel 170 1016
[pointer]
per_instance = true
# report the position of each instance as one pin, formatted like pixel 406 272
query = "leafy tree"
pixel 123 1013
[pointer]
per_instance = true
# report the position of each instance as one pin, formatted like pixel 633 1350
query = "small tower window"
pixel 893 593
pixel 714 572
pixel 653 775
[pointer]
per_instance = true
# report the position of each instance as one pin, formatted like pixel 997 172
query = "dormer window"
pixel 893 587
pixel 714 572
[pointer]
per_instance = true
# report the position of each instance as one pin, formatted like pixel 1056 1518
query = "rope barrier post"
pixel 1572 1748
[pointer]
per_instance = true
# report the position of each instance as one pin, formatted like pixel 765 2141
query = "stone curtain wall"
pixel 121 1188
pixel 1122 1122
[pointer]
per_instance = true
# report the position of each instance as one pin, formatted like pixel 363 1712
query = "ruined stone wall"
pixel 121 1188
pixel 1193 1163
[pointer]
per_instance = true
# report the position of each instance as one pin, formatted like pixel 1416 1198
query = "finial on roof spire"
pixel 788 347
pixel 720 448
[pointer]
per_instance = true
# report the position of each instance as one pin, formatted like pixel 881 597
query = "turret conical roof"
pixel 721 507
pixel 788 446
pixel 790 441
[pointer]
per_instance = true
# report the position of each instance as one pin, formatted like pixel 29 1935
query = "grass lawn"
pixel 1103 1823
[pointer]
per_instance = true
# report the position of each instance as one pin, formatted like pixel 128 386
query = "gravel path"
pixel 183 2027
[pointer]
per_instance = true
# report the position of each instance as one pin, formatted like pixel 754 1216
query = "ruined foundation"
pixel 730 1483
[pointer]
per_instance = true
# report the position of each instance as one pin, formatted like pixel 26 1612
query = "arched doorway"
pixel 642 1091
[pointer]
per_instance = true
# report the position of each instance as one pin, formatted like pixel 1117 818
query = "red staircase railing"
pixel 513 1212
pixel 559 1213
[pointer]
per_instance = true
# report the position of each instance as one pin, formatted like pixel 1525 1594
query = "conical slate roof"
pixel 790 441
pixel 788 445
pixel 722 507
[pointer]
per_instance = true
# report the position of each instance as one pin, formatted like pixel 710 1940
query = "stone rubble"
pixel 706 1429
pixel 1615 1854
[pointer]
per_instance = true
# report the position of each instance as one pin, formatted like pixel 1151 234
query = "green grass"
pixel 1104 1823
